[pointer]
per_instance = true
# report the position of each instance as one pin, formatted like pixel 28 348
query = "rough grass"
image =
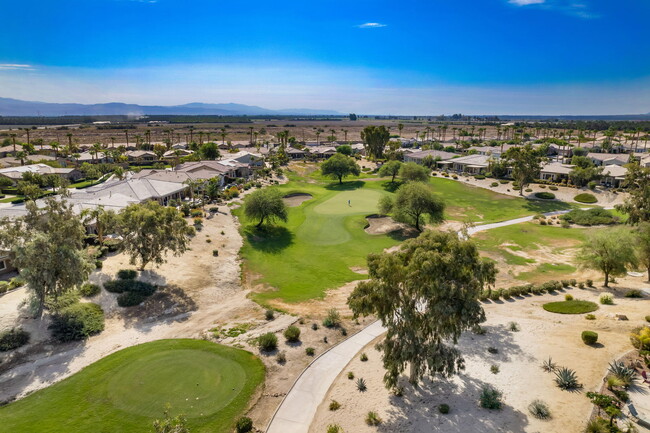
pixel 570 307
pixel 209 383
pixel 469 203
pixel 547 271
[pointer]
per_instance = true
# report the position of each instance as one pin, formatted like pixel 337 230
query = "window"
pixel 3 265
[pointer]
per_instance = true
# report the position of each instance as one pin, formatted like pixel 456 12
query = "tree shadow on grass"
pixel 392 186
pixel 269 239
pixel 542 206
pixel 346 186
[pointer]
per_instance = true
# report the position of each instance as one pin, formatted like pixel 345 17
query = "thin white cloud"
pixel 16 67
pixel 526 2
pixel 371 25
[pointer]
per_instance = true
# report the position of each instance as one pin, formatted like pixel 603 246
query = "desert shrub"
pixel 590 317
pixel 640 337
pixel 503 182
pixel 361 385
pixel 589 337
pixel 494 184
pixel 398 391
pixel 62 301
pixel 116 286
pixel 606 299
pixel 363 357
pixel 549 366
pixel 267 342
pixel 281 358
pixel 529 190
pixel 634 293
pixel 581 285
pixel 513 326
pixel 127 274
pixel 244 425
pixel 490 398
pixel 585 197
pixel 479 330
pixel 373 419
pixel 627 375
pixel 350 375
pixel 292 334
pixel 590 217
pixel 335 405
pixel 269 314
pixel 553 188
pixel 542 186
pixel 647 318
pixel 479 176
pixel 13 339
pixel 494 369
pixel 545 195
pixel 89 290
pixel 590 283
pixel 539 409
pixel 196 213
pixel 565 283
pixel 99 264
pixel 334 428
pixel 310 351
pixel 495 295
pixel 314 326
pixel 130 299
pixel 566 379
pixel 198 221
pixel 333 318
pixel 443 408
pixel 77 322
pixel 215 253
pixel 568 297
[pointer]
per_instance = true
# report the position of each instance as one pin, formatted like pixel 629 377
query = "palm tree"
pixel 400 126
pixel 317 136
pixel 112 141
pixel 13 140
pixel 147 134
pixel 126 133
pixel 95 149
pixel 345 134
pixel 251 128
pixel 55 147
pixel 27 131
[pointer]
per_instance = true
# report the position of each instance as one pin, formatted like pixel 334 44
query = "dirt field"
pixel 520 378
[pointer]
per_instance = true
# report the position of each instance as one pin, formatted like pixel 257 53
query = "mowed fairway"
pixel 322 240
pixel 210 384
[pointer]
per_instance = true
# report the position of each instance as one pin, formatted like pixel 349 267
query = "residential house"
pixel 613 175
pixel 474 164
pixel 601 159
pixel 141 156
pixel 555 171
pixel 420 155
pixel 16 173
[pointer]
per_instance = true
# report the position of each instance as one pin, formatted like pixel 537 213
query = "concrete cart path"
pixel 297 410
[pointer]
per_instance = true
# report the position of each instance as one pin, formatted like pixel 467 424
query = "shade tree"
pixel 339 166
pixel 265 205
pixel 413 204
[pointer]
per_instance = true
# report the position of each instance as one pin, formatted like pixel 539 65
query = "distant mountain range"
pixel 16 107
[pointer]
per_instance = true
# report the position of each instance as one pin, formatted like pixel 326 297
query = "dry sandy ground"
pixel 520 378
pixel 605 198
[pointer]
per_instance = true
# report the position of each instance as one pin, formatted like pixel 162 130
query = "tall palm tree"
pixel 126 133
pixel 345 134
pixel 13 141
pixel 400 127
pixel 27 131
pixel 223 134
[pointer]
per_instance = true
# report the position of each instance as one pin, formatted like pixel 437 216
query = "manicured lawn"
pixel 322 239
pixel 469 203
pixel 124 392
pixel 571 307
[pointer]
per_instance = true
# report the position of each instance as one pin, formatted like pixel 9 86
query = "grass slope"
pixel 209 383
pixel 470 203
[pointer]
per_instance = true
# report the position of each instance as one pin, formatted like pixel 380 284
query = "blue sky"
pixel 366 56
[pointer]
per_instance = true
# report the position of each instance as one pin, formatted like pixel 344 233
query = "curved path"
pixel 297 410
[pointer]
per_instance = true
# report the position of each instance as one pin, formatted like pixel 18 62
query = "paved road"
pixel 297 410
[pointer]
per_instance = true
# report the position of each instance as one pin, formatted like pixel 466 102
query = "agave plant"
pixel 566 379
pixel 549 366
pixel 625 374
pixel 361 384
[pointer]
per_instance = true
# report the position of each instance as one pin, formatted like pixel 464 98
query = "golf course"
pixel 323 239
pixel 208 383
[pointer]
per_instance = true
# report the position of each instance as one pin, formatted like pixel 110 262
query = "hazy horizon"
pixel 519 57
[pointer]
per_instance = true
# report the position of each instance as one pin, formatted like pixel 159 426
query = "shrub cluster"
pixel 13 338
pixel 78 321
pixel 490 397
pixel 292 334
pixel 127 274
pixel 267 342
pixel 545 195
pixel 89 290
pixel 132 292
pixel 590 217
pixel 12 284
pixel 527 289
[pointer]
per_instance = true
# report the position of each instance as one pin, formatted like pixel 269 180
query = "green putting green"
pixel 210 384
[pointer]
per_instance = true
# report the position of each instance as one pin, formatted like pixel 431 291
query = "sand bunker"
pixel 380 225
pixel 293 200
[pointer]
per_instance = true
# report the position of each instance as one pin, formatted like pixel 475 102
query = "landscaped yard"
pixel 210 384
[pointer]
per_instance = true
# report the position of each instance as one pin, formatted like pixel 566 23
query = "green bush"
pixel 590 317
pixel 310 351
pixel 116 286
pixel 372 418
pixel 585 197
pixel 244 425
pixel 269 314
pixel 363 357
pixel 350 375
pixel 196 213
pixel 333 319
pixel 634 293
pixel 553 188
pixel 589 337
pixel 13 339
pixel 127 274
pixel 568 297
pixel 334 428
pixel 479 177
pixel 590 217
pixel 334 405
pixel 539 409
pixel 130 299
pixel 494 184
pixel 292 334
pixel 590 283
pixel 89 290
pixel 606 299
pixel 647 318
pixel 77 322
pixel 267 342
pixel 443 409
pixel 490 398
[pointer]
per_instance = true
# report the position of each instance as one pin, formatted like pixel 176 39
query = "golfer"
pixel 349 203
